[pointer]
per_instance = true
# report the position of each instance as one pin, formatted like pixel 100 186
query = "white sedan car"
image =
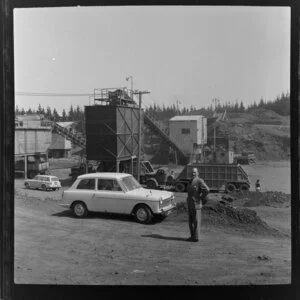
pixel 44 182
pixel 116 193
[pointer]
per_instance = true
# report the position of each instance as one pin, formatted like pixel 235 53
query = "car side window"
pixel 86 184
pixel 116 186
pixel 108 185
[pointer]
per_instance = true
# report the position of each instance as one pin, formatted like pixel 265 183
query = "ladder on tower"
pixel 71 136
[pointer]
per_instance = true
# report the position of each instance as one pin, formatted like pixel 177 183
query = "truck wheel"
pixel 180 187
pixel 151 185
pixel 31 175
pixel 230 187
pixel 143 214
pixel 79 209
pixel 244 187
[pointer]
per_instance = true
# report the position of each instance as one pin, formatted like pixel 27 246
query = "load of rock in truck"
pixel 219 177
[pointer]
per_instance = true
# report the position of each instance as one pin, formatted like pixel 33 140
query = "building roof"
pixel 186 118
pixel 64 124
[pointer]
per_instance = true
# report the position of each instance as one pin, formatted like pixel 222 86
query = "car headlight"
pixel 160 202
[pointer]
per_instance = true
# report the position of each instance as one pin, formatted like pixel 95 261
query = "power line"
pixel 54 94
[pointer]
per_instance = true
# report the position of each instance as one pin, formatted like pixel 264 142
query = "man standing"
pixel 197 192
pixel 257 185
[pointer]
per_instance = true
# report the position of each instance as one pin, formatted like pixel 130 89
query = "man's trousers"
pixel 195 222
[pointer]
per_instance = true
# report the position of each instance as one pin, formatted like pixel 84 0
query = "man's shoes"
pixel 191 239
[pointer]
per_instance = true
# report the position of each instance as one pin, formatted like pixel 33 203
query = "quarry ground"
pixel 247 241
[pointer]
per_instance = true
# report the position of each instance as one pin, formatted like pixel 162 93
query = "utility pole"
pixel 127 78
pixel 140 93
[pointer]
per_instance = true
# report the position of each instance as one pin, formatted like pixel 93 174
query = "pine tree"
pixel 242 108
pixel 55 115
pixel 71 114
pixel 64 116
pixel 48 113
pixel 39 110
pixel 261 102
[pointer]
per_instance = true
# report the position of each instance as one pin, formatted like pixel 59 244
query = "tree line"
pixel 73 114
pixel 280 105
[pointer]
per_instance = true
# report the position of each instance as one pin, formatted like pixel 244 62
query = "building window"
pixel 185 131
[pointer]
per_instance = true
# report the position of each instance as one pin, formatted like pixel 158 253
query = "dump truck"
pixel 36 163
pixel 218 177
pixel 246 158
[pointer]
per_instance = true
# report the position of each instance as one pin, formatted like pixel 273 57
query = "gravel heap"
pixel 252 199
pixel 224 214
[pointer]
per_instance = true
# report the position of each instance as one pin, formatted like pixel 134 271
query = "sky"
pixel 189 54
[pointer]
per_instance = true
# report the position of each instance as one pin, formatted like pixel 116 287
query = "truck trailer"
pixel 218 177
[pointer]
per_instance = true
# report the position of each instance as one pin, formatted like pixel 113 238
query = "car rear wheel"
pixel 26 185
pixel 79 209
pixel 143 214
pixel 44 188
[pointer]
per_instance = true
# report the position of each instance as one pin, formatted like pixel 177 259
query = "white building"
pixel 190 132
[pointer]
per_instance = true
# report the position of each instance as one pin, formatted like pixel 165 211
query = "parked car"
pixel 117 193
pixel 44 182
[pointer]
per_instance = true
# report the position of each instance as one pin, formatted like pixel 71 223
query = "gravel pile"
pixel 225 215
pixel 252 199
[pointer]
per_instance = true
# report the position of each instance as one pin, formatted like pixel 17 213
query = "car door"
pixel 109 196
pixel 35 182
pixel 41 182
pixel 85 191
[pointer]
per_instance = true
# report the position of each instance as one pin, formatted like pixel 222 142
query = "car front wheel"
pixel 79 209
pixel 143 214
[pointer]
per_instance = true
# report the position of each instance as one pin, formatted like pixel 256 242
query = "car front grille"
pixel 167 201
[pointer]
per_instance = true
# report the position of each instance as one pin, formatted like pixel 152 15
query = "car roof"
pixel 104 175
pixel 50 176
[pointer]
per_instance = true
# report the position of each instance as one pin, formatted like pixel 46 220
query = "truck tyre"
pixel 151 184
pixel 79 209
pixel 143 214
pixel 180 187
pixel 230 187
pixel 31 175
pixel 244 187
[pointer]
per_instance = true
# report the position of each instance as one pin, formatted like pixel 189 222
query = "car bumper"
pixel 167 210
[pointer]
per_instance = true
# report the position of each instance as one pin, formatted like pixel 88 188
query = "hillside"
pixel 262 131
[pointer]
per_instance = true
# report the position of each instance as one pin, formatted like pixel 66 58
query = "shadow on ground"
pixel 105 216
pixel 158 236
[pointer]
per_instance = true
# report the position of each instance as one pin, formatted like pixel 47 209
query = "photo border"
pixel 10 290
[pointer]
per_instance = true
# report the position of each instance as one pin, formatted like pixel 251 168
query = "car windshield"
pixel 130 183
pixel 54 179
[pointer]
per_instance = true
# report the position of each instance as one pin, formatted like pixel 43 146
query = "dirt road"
pixel 52 247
